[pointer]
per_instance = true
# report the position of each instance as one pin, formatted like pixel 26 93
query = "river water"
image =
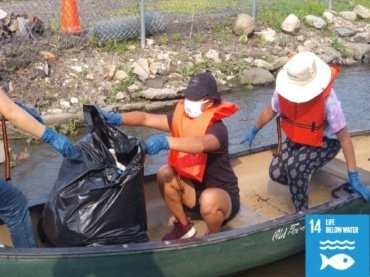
pixel 352 87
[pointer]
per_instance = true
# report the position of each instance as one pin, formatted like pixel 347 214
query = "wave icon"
pixel 337 244
pixel 337 247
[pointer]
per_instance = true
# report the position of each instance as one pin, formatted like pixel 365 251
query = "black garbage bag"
pixel 94 201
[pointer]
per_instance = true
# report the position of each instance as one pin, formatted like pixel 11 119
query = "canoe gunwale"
pixel 157 246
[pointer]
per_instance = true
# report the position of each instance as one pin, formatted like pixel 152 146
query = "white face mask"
pixel 193 109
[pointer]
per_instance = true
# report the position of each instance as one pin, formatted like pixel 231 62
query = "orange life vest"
pixel 193 165
pixel 304 122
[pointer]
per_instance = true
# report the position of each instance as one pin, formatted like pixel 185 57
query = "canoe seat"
pixel 338 167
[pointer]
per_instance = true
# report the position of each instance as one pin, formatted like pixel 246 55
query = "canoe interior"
pixel 261 198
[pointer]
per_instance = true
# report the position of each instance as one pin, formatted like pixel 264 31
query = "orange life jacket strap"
pixel 311 127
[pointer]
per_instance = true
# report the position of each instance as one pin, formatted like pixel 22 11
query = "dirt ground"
pixel 28 77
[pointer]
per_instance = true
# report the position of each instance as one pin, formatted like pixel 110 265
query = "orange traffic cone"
pixel 70 18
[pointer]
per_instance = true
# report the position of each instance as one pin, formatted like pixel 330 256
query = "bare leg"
pixel 215 207
pixel 173 195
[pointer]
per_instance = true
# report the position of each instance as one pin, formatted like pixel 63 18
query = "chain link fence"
pixel 39 21
pixel 168 16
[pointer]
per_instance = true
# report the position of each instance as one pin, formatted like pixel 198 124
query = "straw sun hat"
pixel 303 77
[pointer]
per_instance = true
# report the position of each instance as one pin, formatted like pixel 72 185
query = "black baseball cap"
pixel 201 86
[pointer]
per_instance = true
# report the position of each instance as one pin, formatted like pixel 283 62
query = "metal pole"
pixel 254 9
pixel 330 5
pixel 142 23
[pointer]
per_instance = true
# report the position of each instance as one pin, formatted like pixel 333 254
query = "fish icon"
pixel 338 261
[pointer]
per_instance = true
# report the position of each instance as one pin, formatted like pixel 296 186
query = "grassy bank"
pixel 270 12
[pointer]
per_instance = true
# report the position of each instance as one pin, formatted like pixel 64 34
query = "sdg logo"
pixel 337 245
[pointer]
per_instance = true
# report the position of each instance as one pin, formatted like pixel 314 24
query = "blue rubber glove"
pixel 114 119
pixel 358 186
pixel 251 135
pixel 156 144
pixel 31 111
pixel 62 144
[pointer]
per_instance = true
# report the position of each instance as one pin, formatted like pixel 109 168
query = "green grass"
pixel 163 39
pixel 124 12
pixel 349 5
pixel 199 37
pixel 122 86
pixel 272 13
pixel 279 10
pixel 179 6
pixel 191 69
pixel 110 45
pixel 336 44
pixel 191 6
pixel 69 128
pixel 176 37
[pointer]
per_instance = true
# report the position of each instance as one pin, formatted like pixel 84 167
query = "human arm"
pixel 137 118
pixel 31 111
pixel 26 122
pixel 19 117
pixel 194 145
pixel 347 148
pixel 349 155
pixel 210 142
pixel 155 121
pixel 266 116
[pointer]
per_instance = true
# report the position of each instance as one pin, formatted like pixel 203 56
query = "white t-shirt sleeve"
pixel 334 114
pixel 275 102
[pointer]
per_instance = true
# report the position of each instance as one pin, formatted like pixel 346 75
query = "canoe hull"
pixel 225 253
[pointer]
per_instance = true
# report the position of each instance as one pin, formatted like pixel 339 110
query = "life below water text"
pixel 332 229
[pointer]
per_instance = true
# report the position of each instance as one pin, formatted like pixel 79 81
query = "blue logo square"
pixel 337 245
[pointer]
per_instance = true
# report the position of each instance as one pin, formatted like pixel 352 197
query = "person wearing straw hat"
pixel 312 119
pixel 13 204
pixel 198 174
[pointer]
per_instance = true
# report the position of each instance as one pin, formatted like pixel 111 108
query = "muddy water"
pixel 37 175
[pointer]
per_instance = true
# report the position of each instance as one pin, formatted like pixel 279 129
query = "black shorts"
pixel 195 211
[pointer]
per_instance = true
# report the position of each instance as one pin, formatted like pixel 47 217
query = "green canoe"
pixel 265 230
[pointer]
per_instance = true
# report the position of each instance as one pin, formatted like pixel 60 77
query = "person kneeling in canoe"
pixel 313 121
pixel 198 174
